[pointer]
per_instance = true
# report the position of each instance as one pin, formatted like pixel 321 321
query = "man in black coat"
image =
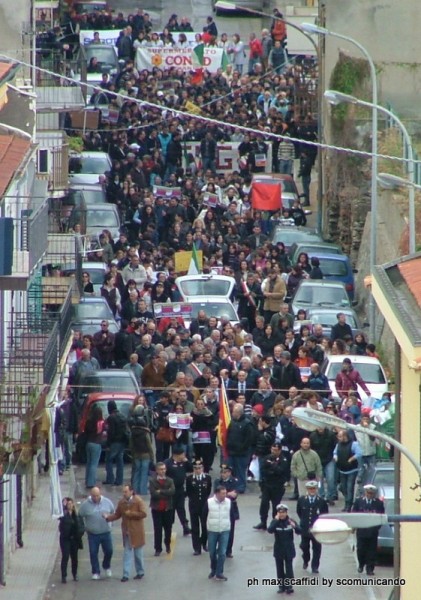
pixel 274 470
pixel 367 536
pixel 240 437
pixel 341 329
pixel 309 508
pixel 290 374
pixel 198 489
pixel 177 468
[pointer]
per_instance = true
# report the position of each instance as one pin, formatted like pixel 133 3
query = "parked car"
pixel 326 317
pixel 96 270
pixel 123 400
pixel 337 267
pixel 214 306
pixel 106 380
pixel 289 235
pixel 370 369
pixel 316 293
pixel 192 286
pixel 312 248
pixel 94 218
pixel 83 193
pixel 85 167
pixel 91 308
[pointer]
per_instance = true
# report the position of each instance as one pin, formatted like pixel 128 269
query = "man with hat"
pixel 309 508
pixel 274 470
pixel 367 536
pixel 198 489
pixel 284 549
pixel 231 484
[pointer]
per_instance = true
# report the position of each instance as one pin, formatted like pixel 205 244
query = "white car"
pixel 370 369
pixel 86 167
pixel 204 285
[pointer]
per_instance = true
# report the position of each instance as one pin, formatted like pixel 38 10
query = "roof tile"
pixel 12 152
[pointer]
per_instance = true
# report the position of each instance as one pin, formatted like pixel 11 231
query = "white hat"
pixel 312 484
pixel 370 487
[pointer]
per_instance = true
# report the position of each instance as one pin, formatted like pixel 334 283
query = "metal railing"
pixel 30 233
pixel 390 124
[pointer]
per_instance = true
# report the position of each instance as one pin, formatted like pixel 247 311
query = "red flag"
pixel 266 196
pixel 224 420
pixel 246 292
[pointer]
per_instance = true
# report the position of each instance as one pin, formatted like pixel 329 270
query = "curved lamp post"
pixel 334 97
pixel 312 28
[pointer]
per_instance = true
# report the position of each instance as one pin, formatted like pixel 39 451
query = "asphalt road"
pixel 180 574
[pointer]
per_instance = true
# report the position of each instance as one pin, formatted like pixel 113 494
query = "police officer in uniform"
pixel 367 537
pixel 274 472
pixel 284 549
pixel 177 468
pixel 231 484
pixel 198 489
pixel 309 508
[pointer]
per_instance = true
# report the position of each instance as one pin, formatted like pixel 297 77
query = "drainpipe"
pixel 19 539
pixel 2 501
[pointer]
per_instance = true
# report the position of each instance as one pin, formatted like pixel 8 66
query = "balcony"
pixel 53 159
pixel 25 242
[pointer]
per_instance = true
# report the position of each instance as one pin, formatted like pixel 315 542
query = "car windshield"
pixel 330 319
pixel 370 373
pixel 101 218
pixel 110 383
pixel 82 8
pixel 214 309
pixel 105 56
pixel 93 166
pixel 384 477
pixel 316 250
pixel 91 310
pixel 96 275
pixel 319 295
pixel 91 327
pixel 292 235
pixel 205 287
pixel 333 268
pixel 89 196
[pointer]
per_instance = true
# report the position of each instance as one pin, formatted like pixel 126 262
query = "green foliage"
pixel 75 144
pixel 347 76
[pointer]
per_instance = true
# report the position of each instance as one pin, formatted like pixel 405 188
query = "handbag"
pixel 310 474
pixel 166 435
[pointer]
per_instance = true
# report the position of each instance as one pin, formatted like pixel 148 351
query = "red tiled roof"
pixel 411 273
pixel 12 152
pixel 5 67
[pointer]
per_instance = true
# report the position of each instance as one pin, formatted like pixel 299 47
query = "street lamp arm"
pixel 317 418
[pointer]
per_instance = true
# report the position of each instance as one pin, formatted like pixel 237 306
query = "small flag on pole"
pixel 224 420
pixel 197 61
pixel 194 268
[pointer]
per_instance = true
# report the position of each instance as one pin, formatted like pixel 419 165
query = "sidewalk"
pixel 30 566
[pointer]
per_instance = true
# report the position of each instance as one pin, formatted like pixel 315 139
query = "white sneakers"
pixel 96 576
pixel 108 573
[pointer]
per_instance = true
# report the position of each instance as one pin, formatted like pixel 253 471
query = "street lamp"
pixel 311 419
pixel 334 97
pixel 312 28
pixel 231 6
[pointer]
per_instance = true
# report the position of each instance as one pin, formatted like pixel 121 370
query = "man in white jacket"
pixel 218 525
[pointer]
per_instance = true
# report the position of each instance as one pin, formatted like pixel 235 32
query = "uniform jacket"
pixel 198 491
pixel 167 491
pixel 308 511
pixel 132 514
pixel 284 547
pixel 364 505
pixel 274 471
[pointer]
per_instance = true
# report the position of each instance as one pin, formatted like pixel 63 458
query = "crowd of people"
pixel 268 363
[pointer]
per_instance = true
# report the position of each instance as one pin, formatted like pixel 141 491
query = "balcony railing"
pixel 30 238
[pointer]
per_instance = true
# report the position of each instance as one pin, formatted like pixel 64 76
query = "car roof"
pixel 326 255
pixel 109 207
pixel 331 309
pixel 93 154
pixel 108 373
pixel 333 358
pixel 92 300
pixel 94 265
pixel 89 187
pixel 269 176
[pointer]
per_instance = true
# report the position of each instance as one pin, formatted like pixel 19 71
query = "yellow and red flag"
pixel 224 420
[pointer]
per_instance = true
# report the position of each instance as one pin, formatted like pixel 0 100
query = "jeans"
pixel 96 540
pixel 127 558
pixel 170 170
pixel 208 163
pixel 306 180
pixel 140 475
pixel 67 448
pixel 93 454
pixel 347 485
pixel 286 166
pixel 217 546
pixel 329 473
pixel 239 465
pixel 115 453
